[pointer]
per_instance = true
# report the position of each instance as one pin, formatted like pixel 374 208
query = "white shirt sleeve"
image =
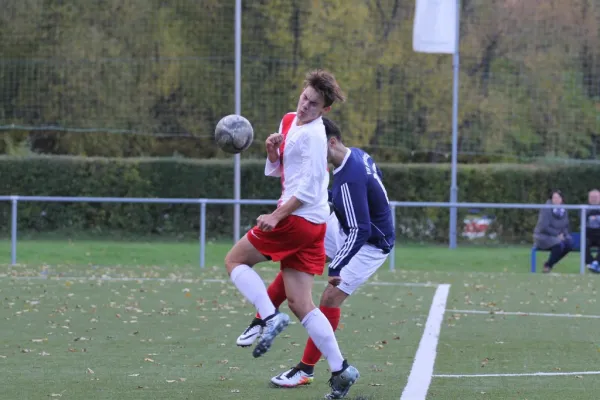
pixel 272 168
pixel 313 151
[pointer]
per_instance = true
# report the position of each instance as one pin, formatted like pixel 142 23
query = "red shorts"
pixel 296 242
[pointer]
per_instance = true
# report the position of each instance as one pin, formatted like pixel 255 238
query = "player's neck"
pixel 339 153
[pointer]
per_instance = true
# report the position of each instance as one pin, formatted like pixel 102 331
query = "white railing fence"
pixel 203 202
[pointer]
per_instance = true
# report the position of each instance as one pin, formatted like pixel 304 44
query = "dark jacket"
pixel 551 223
pixel 593 225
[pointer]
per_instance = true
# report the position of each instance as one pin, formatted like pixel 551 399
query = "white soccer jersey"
pixel 304 173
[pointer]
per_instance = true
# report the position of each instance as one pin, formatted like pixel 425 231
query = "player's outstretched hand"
pixel 267 222
pixel 335 280
pixel 273 142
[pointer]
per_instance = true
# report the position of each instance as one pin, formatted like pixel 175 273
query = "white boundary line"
pixel 523 314
pixel 518 375
pixel 185 280
pixel 421 372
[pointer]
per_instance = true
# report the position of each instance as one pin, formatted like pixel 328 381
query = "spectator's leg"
pixel 596 244
pixel 557 252
pixel 589 258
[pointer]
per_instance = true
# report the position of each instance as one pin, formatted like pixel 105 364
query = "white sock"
pixel 320 331
pixel 253 288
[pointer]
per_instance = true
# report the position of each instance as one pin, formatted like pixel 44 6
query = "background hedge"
pixel 173 178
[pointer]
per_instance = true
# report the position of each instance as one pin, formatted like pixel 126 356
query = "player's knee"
pixel 230 261
pixel 301 306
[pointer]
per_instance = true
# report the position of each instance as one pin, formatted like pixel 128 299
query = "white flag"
pixel 434 29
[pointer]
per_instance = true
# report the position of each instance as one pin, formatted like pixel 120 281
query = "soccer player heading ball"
pixel 294 233
pixel 360 235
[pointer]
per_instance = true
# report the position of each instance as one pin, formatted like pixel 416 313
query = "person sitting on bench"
pixel 592 233
pixel 552 231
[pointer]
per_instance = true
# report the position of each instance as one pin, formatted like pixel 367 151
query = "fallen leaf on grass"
pixel 235 391
pixel 43 353
pixel 39 340
pixel 375 384
pixel 485 361
pixel 89 371
pixel 148 359
pixel 134 375
pixel 56 395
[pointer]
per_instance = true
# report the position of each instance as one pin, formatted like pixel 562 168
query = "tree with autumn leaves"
pixel 124 76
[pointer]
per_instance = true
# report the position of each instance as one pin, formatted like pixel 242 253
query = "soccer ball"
pixel 234 134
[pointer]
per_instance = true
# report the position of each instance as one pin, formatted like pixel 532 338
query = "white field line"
pixel 185 280
pixel 421 372
pixel 523 314
pixel 518 375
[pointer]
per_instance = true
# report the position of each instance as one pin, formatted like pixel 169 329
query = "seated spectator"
pixel 552 231
pixel 592 233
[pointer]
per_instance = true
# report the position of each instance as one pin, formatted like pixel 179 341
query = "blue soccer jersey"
pixel 362 208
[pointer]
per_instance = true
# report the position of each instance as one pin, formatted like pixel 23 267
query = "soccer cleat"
pixel 251 333
pixel 594 267
pixel 342 381
pixel 292 378
pixel 274 325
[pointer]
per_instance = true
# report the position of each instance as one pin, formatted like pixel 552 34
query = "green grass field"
pixel 157 326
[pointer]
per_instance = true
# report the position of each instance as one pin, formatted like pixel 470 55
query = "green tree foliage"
pixel 130 74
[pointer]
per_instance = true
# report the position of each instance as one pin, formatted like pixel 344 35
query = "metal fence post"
pixel 202 233
pixel 393 252
pixel 13 230
pixel 582 245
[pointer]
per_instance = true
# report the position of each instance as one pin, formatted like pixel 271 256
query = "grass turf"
pixel 80 337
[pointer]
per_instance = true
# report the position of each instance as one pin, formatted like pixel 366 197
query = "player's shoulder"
pixel 286 122
pixel 289 115
pixel 360 156
pixel 354 166
pixel 288 118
